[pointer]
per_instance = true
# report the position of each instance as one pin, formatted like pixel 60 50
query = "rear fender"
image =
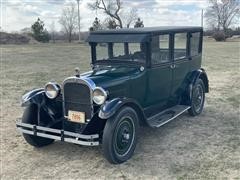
pixel 190 82
pixel 200 74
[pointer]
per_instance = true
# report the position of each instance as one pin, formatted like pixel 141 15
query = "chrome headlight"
pixel 99 95
pixel 52 90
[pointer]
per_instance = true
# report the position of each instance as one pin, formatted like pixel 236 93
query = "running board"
pixel 167 115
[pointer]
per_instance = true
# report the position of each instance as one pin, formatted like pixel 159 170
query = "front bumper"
pixel 56 134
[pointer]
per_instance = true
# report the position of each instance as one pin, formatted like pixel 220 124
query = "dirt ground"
pixel 203 147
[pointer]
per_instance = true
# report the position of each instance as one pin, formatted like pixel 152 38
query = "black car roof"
pixel 136 34
pixel 150 29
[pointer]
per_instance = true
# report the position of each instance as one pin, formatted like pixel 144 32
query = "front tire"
pixel 198 98
pixel 30 117
pixel 120 136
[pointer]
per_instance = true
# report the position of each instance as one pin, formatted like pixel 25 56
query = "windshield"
pixel 134 52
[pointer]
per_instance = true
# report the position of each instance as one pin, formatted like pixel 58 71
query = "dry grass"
pixel 204 147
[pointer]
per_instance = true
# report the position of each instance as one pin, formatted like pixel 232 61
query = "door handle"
pixel 173 66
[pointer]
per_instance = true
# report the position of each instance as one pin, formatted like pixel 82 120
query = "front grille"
pixel 77 97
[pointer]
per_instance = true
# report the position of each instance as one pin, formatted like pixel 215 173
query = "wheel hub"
pixel 126 136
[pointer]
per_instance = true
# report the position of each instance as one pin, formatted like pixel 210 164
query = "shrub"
pixel 219 36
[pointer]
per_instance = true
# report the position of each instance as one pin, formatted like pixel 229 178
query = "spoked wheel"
pixel 124 136
pixel 198 98
pixel 120 136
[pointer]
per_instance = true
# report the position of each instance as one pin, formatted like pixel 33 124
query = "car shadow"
pixel 154 148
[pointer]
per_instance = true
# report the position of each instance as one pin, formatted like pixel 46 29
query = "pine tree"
pixel 39 33
pixel 138 23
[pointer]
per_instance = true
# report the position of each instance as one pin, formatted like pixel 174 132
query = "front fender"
pixel 49 110
pixel 35 96
pixel 109 108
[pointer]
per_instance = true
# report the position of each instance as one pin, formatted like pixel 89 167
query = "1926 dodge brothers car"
pixel 143 76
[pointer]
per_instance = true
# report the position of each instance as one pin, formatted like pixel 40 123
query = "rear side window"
pixel 134 47
pixel 160 49
pixel 180 45
pixel 195 44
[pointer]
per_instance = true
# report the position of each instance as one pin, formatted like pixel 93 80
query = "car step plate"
pixel 167 115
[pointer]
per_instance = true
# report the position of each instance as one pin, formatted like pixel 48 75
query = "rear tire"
pixel 30 117
pixel 198 98
pixel 120 136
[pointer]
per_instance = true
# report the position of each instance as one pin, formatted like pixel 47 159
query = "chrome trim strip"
pixel 85 143
pixel 49 129
pixel 173 117
pixel 38 127
pixel 75 136
pixel 84 80
pixel 24 124
pixel 49 136
pixel 25 131
pixel 70 140
pixel 57 131
pixel 95 136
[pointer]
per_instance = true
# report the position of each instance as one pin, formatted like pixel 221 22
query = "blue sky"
pixel 18 14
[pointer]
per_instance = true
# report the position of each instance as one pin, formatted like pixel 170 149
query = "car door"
pixel 181 64
pixel 160 74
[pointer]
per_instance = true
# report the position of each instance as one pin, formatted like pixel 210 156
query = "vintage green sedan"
pixel 139 77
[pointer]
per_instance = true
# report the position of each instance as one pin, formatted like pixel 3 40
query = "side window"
pixel 102 51
pixel 134 47
pixel 160 49
pixel 195 43
pixel 118 50
pixel 180 45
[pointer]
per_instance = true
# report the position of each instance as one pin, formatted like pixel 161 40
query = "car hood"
pixel 107 76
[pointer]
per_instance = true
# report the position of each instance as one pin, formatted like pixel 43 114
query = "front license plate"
pixel 76 116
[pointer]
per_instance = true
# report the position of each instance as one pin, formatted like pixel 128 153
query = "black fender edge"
pixel 200 74
pixel 110 108
pixel 190 82
pixel 35 96
pixel 49 110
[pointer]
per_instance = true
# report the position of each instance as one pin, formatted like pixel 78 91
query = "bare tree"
pixel 69 20
pixel 110 23
pixel 114 9
pixel 130 17
pixel 221 14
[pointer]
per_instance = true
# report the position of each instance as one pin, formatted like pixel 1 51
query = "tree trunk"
pixel 225 33
pixel 120 22
pixel 70 37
